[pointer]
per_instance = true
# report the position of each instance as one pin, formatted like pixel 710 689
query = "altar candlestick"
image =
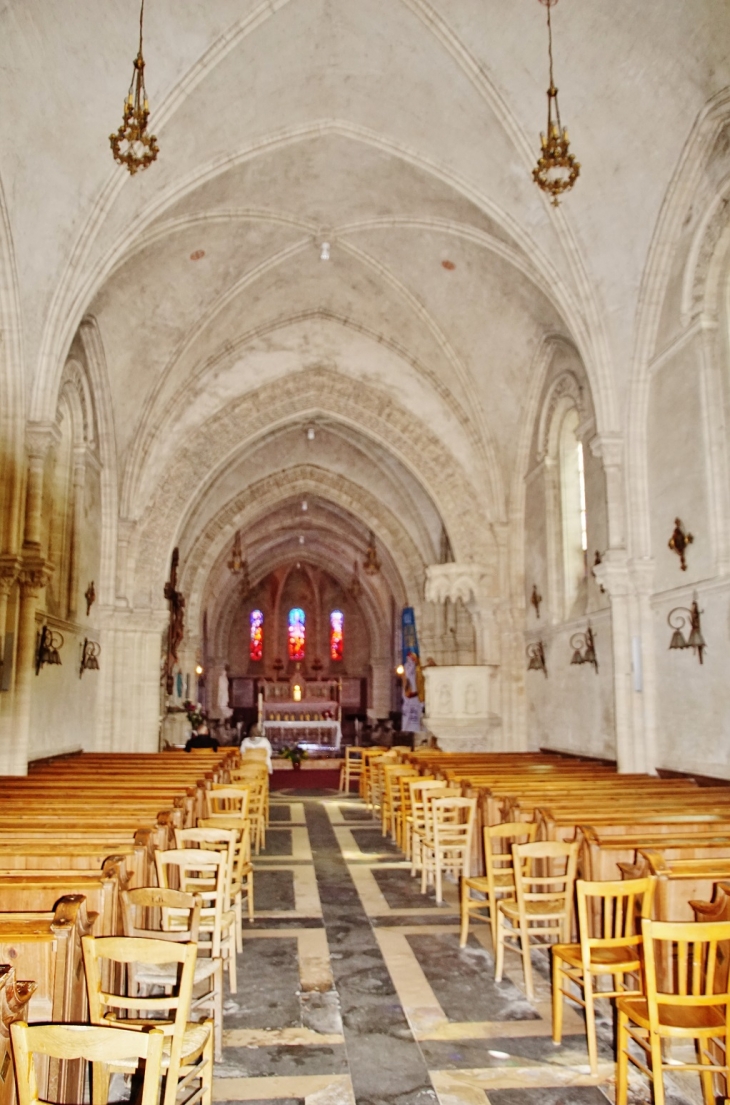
pixel 261 706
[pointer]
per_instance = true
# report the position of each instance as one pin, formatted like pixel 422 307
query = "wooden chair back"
pixel 228 800
pixel 168 914
pixel 170 1011
pixel 98 1045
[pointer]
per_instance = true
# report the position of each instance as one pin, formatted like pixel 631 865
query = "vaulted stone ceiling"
pixel 402 132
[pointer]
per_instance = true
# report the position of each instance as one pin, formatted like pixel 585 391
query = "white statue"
pixel 223 692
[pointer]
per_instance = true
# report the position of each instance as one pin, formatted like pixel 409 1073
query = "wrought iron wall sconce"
pixel 536 599
pixel 90 596
pixel 89 656
pixel 50 643
pixel 584 648
pixel 682 616
pixel 536 658
pixel 371 564
pixel 679 541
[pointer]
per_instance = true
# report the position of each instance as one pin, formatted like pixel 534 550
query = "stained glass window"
pixel 337 634
pixel 297 633
pixel 256 639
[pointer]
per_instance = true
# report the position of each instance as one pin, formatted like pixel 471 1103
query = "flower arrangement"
pixel 195 712
pixel 296 754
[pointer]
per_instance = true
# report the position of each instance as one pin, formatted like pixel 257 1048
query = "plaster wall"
pixel 572 710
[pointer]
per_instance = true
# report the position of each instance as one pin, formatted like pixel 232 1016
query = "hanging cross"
pixel 176 630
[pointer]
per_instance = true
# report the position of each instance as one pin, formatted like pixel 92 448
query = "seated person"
pixel 201 738
pixel 256 739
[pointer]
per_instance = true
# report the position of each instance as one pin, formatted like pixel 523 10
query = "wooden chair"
pixel 446 847
pixel 242 885
pixel 103 1047
pixel 238 851
pixel 540 912
pixel 205 872
pixel 351 769
pixel 418 789
pixel 405 811
pixel 256 787
pixel 188 1047
pixel 688 1005
pixel 609 915
pixel 499 880
pixel 391 796
pixel 159 914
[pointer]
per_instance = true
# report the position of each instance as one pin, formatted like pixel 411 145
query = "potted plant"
pixel 296 754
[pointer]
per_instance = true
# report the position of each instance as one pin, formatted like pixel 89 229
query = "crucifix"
pixel 176 628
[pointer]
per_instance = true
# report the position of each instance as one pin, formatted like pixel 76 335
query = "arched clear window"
pixel 256 635
pixel 297 633
pixel 337 634
pixel 573 508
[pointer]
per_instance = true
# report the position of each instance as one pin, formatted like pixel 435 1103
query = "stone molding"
pixel 468 582
pixel 321 390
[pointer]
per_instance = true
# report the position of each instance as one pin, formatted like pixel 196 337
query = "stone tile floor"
pixel 352 988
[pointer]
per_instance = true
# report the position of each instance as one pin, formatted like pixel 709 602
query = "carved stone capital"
pixel 9 567
pixel 613 574
pixel 467 582
pixel 33 576
pixel 609 447
pixel 39 437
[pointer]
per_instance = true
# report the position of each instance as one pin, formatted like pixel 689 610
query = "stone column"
pixel 33 577
pixel 613 575
pixel 77 528
pixel 644 680
pixel 9 567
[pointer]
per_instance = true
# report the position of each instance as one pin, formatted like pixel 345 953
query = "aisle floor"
pixel 352 986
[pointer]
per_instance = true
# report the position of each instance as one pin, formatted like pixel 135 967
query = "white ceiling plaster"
pixel 404 131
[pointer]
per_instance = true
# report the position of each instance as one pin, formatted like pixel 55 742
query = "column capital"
pixel 608 447
pixel 9 568
pixel 33 575
pixel 39 437
pixel 613 574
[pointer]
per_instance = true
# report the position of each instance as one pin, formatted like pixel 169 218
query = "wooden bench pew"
pixel 39 891
pixel 136 857
pixel 680 880
pixel 46 948
pixel 14 997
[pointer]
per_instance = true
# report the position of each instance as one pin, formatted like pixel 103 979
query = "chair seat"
pixel 534 910
pixel 481 882
pixel 622 959
pixel 700 1018
pixel 194 1041
pixel 160 974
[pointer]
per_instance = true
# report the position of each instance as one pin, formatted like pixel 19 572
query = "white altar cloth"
pixel 309 729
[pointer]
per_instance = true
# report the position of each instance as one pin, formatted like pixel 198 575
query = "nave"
pixel 352 986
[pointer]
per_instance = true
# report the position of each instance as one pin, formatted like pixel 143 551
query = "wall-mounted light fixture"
pixel 536 599
pixel 679 541
pixel 584 648
pixel 682 616
pixel 90 596
pixel 50 642
pixel 371 564
pixel 198 669
pixel 536 658
pixel 89 656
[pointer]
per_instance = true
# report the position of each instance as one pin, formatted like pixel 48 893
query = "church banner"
pixel 408 632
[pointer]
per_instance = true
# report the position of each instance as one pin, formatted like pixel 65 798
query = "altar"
pixel 304 712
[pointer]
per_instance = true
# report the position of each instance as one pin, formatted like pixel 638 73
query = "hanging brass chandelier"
pixel 132 145
pixel 556 170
